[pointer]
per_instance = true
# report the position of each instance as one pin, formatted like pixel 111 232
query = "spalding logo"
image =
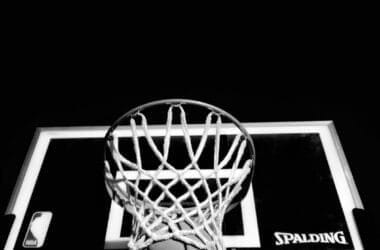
pixel 302 238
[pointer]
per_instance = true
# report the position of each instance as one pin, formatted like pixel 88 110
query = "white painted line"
pixel 29 174
pixel 339 172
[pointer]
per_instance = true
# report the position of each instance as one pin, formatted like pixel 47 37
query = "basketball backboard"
pixel 302 195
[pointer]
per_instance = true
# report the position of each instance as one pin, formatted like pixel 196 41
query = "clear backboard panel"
pixel 302 195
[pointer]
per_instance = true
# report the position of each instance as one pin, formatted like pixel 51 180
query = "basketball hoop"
pixel 189 205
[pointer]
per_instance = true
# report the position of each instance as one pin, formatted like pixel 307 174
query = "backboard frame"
pixel 347 191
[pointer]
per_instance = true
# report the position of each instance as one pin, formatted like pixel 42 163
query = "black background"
pixel 88 74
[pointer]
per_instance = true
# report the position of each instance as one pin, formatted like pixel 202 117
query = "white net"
pixel 199 225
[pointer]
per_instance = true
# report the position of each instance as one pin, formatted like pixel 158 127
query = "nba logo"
pixel 37 230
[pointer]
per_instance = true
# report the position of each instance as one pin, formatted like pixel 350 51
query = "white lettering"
pixel 339 238
pixel 297 239
pixel 329 237
pixel 288 238
pixel 279 240
pixel 283 238
pixel 314 238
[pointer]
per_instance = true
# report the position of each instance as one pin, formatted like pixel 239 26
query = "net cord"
pixel 153 222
